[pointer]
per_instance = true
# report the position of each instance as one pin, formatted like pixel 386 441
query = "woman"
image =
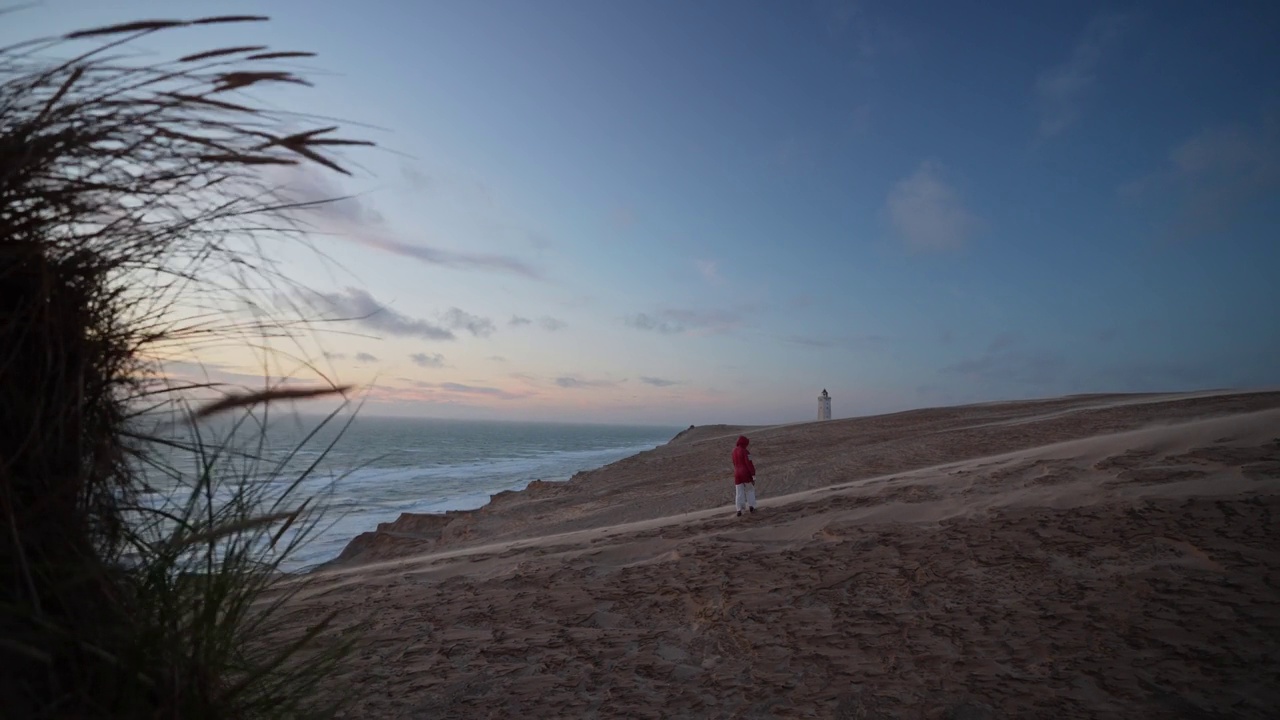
pixel 744 476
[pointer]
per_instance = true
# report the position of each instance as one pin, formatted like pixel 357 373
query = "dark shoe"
pixel 752 509
pixel 739 513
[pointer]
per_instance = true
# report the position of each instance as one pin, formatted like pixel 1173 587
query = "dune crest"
pixel 1078 557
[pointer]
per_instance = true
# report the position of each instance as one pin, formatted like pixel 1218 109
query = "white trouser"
pixel 744 495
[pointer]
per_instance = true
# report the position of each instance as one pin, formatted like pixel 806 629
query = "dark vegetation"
pixel 133 213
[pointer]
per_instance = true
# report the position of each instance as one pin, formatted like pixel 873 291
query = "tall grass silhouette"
pixel 133 206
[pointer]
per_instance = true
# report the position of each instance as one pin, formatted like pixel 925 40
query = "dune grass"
pixel 131 197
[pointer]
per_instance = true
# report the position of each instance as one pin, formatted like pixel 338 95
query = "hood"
pixel 743 441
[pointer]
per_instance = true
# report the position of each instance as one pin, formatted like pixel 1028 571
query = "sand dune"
pixel 1094 556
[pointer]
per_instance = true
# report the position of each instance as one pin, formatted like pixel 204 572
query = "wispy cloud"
pixel 796 154
pixel 710 271
pixel 870 36
pixel 860 120
pixel 464 389
pixel 497 358
pixel 1215 177
pixel 203 372
pixel 800 302
pixel 846 342
pixel 1004 341
pixel 335 356
pixel 1061 91
pixel 1021 367
pixel 538 240
pixel 816 342
pixel 362 308
pixel 624 217
pixel 416 179
pixel 364 357
pixel 673 321
pixel 1159 375
pixel 355 219
pixel 447 258
pixel 644 321
pixel 545 322
pixel 927 214
pixel 657 382
pixel 427 361
pixel 462 320
pixel 574 383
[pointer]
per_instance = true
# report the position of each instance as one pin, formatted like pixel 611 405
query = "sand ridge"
pixel 1112 557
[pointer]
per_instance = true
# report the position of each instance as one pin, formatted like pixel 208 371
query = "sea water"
pixel 373 469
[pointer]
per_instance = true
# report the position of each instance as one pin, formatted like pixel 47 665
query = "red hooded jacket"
pixel 743 470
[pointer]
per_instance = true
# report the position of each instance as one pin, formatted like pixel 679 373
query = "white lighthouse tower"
pixel 824 406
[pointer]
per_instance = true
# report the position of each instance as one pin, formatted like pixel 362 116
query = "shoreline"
pixel 424 524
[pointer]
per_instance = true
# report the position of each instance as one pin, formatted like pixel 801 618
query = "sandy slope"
pixel 1103 556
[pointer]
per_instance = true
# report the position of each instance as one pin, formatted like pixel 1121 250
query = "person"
pixel 744 476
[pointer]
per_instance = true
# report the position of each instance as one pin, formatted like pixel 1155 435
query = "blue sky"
pixel 708 212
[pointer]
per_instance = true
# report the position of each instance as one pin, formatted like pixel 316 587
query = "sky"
pixel 672 212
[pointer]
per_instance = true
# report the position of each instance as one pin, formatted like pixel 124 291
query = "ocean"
pixel 374 469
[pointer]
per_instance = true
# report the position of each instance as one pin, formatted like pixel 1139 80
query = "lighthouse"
pixel 824 406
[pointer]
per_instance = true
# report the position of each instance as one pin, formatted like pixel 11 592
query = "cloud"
pixel 1228 151
pixel 427 361
pixel 416 179
pixel 673 321
pixel 657 382
pixel 203 372
pixel 539 241
pixel 1004 341
pixel 1037 369
pixel 849 342
pixel 577 383
pixel 335 356
pixel 327 199
pixel 926 212
pixel 497 358
pixel 355 219
pixel 643 321
pixel 870 37
pixel 710 271
pixel 545 322
pixel 1061 91
pixel 462 320
pixel 809 341
pixel 1215 177
pixel 795 153
pixel 462 389
pixel 447 258
pixel 364 357
pixel 800 302
pixel 1043 374
pixel 624 218
pixel 360 307
pixel 1159 375
pixel 860 120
